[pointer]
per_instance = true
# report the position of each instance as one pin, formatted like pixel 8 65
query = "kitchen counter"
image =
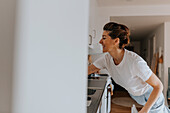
pixel 98 85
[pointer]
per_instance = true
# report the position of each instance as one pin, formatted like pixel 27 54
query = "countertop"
pixel 99 86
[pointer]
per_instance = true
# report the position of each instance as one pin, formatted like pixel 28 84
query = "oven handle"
pixel 109 90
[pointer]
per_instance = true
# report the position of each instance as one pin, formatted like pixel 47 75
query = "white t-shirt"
pixel 131 73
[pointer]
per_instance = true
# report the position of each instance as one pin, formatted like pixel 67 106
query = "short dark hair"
pixel 118 31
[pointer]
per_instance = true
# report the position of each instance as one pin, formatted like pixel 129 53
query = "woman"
pixel 129 70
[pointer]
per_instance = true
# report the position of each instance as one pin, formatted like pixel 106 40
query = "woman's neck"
pixel 117 55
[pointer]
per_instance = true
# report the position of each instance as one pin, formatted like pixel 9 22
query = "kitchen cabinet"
pixel 90 44
pixel 93 43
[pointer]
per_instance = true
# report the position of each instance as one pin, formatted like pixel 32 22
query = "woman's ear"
pixel 117 40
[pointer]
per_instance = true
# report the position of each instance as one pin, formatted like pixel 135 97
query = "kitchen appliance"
pixel 88 101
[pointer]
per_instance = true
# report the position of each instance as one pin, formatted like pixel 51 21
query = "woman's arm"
pixel 92 69
pixel 157 89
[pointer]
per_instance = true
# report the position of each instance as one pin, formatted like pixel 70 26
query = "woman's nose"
pixel 100 41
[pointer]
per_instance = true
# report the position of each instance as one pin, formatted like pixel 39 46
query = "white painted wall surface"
pixel 149 10
pixel 160 39
pixel 93 25
pixel 50 60
pixel 96 22
pixel 159 42
pixel 7 8
pixel 92 15
pixel 159 34
pixel 166 55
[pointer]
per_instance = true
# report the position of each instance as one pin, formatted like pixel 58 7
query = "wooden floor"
pixel 120 109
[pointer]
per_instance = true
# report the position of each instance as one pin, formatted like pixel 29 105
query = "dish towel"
pixel 133 109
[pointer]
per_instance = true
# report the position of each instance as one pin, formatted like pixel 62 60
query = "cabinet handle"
pixel 90 38
pixel 110 89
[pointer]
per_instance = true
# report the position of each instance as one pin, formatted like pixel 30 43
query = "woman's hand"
pixel 92 69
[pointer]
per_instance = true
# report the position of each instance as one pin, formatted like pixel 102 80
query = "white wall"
pixel 7 8
pixel 162 40
pixel 50 57
pixel 149 10
pixel 166 55
pixel 159 34
pixel 159 42
pixel 94 25
pixel 92 15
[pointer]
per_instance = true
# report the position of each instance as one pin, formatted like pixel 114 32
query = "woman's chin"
pixel 104 51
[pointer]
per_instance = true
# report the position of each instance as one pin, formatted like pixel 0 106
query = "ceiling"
pixel 140 26
pixel 106 3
